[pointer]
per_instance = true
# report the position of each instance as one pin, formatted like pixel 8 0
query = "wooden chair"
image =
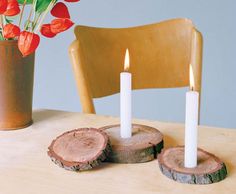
pixel 160 56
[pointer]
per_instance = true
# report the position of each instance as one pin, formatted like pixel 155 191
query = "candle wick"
pixel 126 70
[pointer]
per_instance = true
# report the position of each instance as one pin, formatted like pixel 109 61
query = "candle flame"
pixel 191 78
pixel 126 64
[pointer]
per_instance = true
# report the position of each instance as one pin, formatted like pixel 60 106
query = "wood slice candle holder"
pixel 144 145
pixel 80 149
pixel 209 169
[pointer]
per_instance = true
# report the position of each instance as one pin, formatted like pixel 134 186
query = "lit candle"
pixel 191 125
pixel 125 100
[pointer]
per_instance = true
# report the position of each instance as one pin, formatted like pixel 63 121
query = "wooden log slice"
pixel 144 145
pixel 80 149
pixel 209 169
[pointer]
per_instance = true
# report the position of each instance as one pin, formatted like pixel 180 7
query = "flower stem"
pixel 36 20
pixel 44 15
pixel 4 20
pixel 28 21
pixel 1 26
pixel 1 21
pixel 22 12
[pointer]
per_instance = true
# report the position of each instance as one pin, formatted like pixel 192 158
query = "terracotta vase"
pixel 16 87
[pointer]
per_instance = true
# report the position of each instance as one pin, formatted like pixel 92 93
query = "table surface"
pixel 25 167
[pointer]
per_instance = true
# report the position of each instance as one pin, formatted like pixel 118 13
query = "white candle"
pixel 125 100
pixel 191 125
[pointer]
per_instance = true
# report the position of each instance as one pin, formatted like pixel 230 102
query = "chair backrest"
pixel 160 57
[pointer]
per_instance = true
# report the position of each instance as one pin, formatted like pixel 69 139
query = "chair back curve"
pixel 160 56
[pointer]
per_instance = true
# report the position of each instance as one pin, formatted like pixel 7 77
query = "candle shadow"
pixel 169 141
pixel 230 168
pixel 102 166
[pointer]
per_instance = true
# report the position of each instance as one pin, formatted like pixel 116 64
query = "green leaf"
pixel 23 1
pixel 42 5
pixel 9 20
pixel 1 36
pixel 28 25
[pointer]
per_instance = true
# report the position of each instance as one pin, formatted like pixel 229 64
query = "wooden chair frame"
pixel 168 48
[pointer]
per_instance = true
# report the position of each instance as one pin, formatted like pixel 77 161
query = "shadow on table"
pixel 169 141
pixel 103 165
pixel 44 115
pixel 230 168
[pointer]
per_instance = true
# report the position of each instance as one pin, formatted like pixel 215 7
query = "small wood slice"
pixel 80 149
pixel 209 169
pixel 144 145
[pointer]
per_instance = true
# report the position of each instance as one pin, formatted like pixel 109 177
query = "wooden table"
pixel 25 167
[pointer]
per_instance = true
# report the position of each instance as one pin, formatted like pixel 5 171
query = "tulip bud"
pixel 11 31
pixel 12 8
pixel 60 10
pixel 60 25
pixel 72 1
pixel 46 31
pixel 28 42
pixel 3 6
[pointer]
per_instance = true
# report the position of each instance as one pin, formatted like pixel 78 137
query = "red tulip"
pixel 60 10
pixel 60 25
pixel 72 1
pixel 11 31
pixel 28 42
pixel 3 6
pixel 12 8
pixel 46 31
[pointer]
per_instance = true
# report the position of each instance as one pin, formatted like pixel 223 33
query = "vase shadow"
pixel 42 115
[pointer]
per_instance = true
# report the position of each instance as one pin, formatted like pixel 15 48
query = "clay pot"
pixel 16 87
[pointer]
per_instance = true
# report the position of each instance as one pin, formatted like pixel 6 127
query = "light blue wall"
pixel 55 86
